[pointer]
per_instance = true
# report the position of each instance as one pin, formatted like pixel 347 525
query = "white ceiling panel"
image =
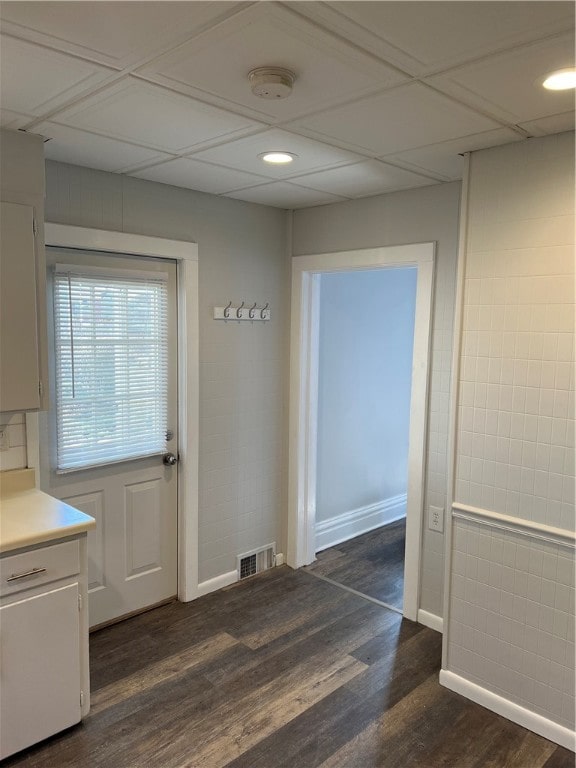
pixel 69 145
pixel 282 194
pixel 362 179
pixel 446 159
pixel 35 81
pixel 509 85
pixel 193 174
pixel 243 154
pixel 425 36
pixel 550 125
pixel 146 114
pixel 13 120
pixel 112 33
pixel 387 94
pixel 217 63
pixel 404 118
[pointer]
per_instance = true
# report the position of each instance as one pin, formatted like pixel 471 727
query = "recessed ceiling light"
pixel 277 158
pixel 561 80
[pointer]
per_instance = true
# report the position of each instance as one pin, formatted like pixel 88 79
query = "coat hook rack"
pixel 253 313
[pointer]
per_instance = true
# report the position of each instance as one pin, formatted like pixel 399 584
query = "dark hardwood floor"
pixel 280 671
pixel 372 563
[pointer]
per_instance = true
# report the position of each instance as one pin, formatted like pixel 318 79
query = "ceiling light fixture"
pixel 277 157
pixel 561 80
pixel 271 82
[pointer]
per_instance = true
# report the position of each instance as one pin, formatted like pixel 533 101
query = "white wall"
pixel 413 216
pixel 365 371
pixel 243 367
pixel 511 603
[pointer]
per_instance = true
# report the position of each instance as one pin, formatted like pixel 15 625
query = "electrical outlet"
pixel 436 519
pixel 4 439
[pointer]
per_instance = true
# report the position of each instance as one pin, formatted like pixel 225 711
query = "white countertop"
pixel 29 516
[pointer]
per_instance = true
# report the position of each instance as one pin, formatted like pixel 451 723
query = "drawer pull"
pixel 33 572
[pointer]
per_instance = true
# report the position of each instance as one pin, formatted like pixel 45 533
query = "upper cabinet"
pixel 23 348
pixel 19 366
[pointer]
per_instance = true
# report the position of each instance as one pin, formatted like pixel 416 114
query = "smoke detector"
pixel 271 82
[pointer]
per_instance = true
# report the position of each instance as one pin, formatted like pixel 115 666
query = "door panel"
pixel 142 511
pixel 133 551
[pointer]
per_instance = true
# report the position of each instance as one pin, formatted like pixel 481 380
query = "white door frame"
pixel 306 271
pixel 186 256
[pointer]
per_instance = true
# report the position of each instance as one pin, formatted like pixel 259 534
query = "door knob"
pixel 169 459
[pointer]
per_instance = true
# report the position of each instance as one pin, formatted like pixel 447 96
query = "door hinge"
pixel 81 698
pixel 40 388
pixel 79 602
pixel 34 227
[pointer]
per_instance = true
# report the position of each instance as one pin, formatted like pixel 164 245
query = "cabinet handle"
pixel 33 572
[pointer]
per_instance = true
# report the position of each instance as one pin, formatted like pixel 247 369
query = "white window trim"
pixel 303 418
pixel 186 256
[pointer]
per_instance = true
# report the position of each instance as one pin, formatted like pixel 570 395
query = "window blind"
pixel 111 353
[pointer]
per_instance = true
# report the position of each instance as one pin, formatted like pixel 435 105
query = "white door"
pixel 113 421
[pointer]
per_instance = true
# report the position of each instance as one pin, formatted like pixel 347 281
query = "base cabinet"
pixel 41 649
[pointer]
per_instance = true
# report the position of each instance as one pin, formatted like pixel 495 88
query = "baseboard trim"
pixel 211 585
pixel 359 521
pixel 518 714
pixel 431 620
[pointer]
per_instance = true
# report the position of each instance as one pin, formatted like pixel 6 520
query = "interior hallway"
pixel 372 563
pixel 280 670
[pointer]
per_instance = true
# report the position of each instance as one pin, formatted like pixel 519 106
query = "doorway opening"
pixel 365 350
pixel 308 485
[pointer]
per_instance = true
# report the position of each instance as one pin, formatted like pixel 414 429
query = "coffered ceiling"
pixel 388 95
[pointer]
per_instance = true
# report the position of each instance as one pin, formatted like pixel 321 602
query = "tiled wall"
pixel 414 216
pixel 511 623
pixel 512 599
pixel 242 256
pixel 15 425
pixel 516 398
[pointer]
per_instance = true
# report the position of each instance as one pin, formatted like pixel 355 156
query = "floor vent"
pixel 254 562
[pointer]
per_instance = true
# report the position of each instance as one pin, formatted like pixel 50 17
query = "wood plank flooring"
pixel 280 671
pixel 372 563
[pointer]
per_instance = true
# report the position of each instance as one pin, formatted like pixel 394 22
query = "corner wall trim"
pixel 218 582
pixel 358 521
pixel 518 714
pixel 431 620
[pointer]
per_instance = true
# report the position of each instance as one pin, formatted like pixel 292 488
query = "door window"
pixel 111 349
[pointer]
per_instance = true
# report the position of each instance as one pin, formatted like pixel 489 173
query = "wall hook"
pixel 251 311
pixel 239 311
pixel 263 311
pixel 227 310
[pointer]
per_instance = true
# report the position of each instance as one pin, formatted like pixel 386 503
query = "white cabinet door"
pixel 39 668
pixel 19 373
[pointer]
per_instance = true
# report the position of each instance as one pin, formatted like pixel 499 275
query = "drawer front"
pixel 38 566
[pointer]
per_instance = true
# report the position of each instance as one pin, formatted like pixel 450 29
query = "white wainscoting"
pixel 510 621
pixel 358 521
